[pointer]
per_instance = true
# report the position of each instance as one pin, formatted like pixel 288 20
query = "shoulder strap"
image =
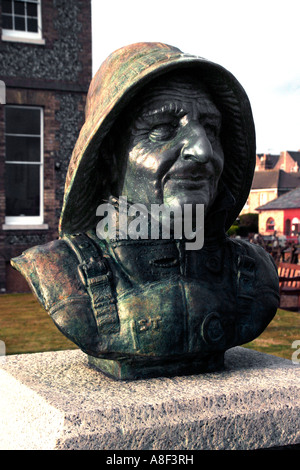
pixel 245 291
pixel 96 276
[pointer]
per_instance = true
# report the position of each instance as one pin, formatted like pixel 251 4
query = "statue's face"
pixel 172 146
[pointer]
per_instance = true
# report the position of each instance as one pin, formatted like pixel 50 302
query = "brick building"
pixel 266 161
pixel 268 185
pixel 46 65
pixel 281 215
pixel 287 160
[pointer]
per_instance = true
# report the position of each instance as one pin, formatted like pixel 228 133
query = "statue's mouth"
pixel 188 177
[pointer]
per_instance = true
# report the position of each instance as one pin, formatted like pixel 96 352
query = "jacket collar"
pixel 214 229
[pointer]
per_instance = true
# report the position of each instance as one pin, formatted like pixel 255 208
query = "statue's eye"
pixel 162 132
pixel 212 131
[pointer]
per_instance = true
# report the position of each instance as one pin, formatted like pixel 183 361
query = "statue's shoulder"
pixel 51 251
pixel 263 262
pixel 253 250
pixel 71 280
pixel 48 269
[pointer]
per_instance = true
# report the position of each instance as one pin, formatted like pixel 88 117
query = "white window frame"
pixel 24 220
pixel 263 198
pixel 25 36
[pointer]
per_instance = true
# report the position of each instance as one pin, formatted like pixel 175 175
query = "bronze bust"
pixel 162 128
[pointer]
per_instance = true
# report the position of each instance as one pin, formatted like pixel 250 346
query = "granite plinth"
pixel 55 400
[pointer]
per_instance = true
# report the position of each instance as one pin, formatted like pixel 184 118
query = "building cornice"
pixel 40 84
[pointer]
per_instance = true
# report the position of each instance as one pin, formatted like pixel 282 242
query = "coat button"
pixel 83 245
pixel 213 264
pixel 212 330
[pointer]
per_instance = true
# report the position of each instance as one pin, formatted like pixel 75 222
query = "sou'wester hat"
pixel 117 81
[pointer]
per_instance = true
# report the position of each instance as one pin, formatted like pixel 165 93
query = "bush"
pixel 245 224
pixel 249 222
pixel 233 230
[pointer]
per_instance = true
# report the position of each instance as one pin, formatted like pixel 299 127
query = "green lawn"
pixel 25 327
pixel 279 335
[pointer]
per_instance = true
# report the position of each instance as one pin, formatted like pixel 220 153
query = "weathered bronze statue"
pixel 162 127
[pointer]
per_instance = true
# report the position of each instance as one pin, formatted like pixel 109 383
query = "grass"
pixel 279 335
pixel 25 327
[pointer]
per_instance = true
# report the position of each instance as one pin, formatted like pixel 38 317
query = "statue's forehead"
pixel 178 90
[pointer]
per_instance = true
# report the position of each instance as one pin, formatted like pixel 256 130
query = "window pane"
pixel 32 25
pixel 6 6
pixel 22 120
pixel 19 8
pixel 7 22
pixel 22 190
pixel 31 9
pixel 19 23
pixel 23 149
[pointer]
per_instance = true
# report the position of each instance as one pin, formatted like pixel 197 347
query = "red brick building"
pixel 46 66
pixel 281 215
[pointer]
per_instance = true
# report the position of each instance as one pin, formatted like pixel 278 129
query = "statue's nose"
pixel 196 144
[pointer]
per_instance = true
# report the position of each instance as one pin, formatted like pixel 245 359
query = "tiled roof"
pixel 270 160
pixel 288 180
pixel 295 156
pixel 275 179
pixel 265 179
pixel 290 200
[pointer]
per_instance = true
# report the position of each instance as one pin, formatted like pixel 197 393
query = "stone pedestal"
pixel 56 400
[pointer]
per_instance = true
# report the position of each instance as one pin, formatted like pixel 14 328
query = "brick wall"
pixel 286 163
pixel 277 215
pixel 64 59
pixel 257 198
pixel 54 76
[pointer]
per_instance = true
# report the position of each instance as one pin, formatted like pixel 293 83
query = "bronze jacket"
pixel 151 297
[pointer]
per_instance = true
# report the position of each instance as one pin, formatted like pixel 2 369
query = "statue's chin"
pixel 180 204
pixel 177 193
